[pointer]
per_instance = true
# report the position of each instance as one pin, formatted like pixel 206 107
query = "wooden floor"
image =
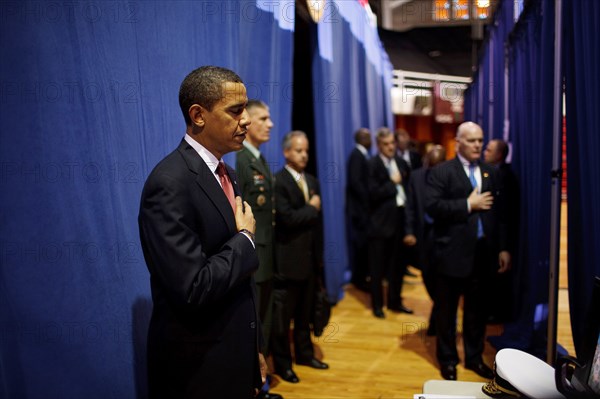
pixel 371 358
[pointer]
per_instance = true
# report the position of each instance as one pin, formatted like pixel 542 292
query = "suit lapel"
pixel 460 174
pixel 208 183
pixel 485 177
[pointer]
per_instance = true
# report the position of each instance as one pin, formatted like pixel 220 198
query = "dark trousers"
pixel 293 300
pixel 358 247
pixel 386 260
pixel 265 300
pixel 447 293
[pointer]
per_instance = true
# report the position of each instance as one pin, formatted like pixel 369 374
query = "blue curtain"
pixel 484 100
pixel 89 105
pixel 582 63
pixel 352 81
pixel 531 69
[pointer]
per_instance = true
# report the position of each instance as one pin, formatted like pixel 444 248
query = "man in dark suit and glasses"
pixel 257 187
pixel 357 208
pixel 197 239
pixel 464 198
pixel 299 256
pixel 388 175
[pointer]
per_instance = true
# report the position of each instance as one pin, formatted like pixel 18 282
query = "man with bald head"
pixel 463 197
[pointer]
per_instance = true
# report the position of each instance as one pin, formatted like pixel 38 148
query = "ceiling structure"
pixel 433 36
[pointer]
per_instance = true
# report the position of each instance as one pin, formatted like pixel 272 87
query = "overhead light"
pixel 483 3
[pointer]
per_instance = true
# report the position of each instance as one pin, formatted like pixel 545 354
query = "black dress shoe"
pixel 315 364
pixel 289 376
pixel 481 369
pixel 448 372
pixel 401 309
pixel 268 395
pixel 379 313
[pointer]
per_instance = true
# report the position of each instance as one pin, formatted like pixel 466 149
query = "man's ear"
pixel 197 114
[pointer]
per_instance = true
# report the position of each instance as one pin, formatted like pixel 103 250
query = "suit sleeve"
pixel 356 184
pixel 410 210
pixel 174 251
pixel 439 203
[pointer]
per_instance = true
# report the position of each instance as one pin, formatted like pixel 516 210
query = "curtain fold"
pixel 89 106
pixel 582 93
pixel 531 71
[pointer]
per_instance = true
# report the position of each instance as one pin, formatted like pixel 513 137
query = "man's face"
pixel 297 155
pixel 387 146
pixel 470 142
pixel 491 154
pixel 259 130
pixel 402 140
pixel 225 126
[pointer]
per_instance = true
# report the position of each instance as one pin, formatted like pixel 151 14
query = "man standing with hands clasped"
pixel 197 239
pixel 464 198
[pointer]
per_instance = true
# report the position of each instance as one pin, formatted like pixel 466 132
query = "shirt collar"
pixel 297 176
pixel 209 159
pixel 255 151
pixel 466 163
pixel 363 150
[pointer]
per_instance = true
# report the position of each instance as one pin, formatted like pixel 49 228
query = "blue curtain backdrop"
pixel 531 71
pixel 528 49
pixel 484 100
pixel 582 63
pixel 88 105
pixel 352 75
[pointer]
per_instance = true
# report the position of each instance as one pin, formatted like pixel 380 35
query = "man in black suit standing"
pixel 418 231
pixel 463 197
pixel 299 257
pixel 357 208
pixel 502 293
pixel 411 157
pixel 387 176
pixel 197 239
pixel 257 187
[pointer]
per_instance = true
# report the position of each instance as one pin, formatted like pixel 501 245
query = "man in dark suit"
pixel 502 293
pixel 256 184
pixel 418 231
pixel 357 208
pixel 411 157
pixel 204 333
pixel 463 197
pixel 387 176
pixel 299 257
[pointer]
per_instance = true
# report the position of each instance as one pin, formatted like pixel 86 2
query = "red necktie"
pixel 226 184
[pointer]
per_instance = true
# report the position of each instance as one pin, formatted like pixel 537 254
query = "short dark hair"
pixel 204 86
pixel 254 103
pixel 502 148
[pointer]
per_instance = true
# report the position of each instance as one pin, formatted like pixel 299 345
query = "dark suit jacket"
pixel 512 201
pixel 415 215
pixel 382 197
pixel 455 229
pixel 415 159
pixel 256 184
pixel 203 335
pixel 299 229
pixel 357 191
